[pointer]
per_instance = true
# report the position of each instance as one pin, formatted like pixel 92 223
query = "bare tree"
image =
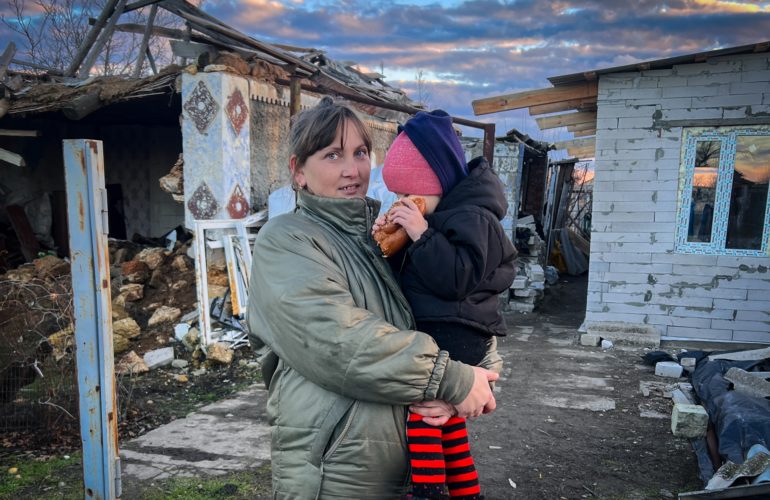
pixel 52 31
pixel 421 88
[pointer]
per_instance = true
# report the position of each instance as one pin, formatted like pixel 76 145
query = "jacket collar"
pixel 348 215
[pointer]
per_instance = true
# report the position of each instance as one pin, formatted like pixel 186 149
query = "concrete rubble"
pixel 529 284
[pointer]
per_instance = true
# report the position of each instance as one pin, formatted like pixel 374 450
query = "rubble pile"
pixel 154 326
pixel 529 284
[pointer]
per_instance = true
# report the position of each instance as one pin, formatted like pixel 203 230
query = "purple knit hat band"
pixel 405 171
pixel 435 138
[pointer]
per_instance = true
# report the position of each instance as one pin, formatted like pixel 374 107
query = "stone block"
pixel 690 421
pixel 590 340
pixel 159 357
pixel 164 314
pixel 670 369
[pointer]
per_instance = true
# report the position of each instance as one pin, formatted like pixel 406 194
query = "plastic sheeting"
pixel 740 421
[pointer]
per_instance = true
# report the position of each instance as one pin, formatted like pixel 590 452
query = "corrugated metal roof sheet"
pixel 660 63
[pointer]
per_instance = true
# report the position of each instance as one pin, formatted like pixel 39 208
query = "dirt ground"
pixel 531 448
pixel 544 440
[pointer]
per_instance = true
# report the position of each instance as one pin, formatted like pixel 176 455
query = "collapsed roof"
pixel 74 93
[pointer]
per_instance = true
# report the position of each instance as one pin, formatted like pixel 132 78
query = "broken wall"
pixel 636 276
pixel 507 163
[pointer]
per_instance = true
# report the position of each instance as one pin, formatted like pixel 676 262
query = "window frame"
pixel 727 137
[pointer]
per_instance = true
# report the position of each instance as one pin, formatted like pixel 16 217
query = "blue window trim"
pixel 727 137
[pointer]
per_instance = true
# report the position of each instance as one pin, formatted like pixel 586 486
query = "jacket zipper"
pixel 336 443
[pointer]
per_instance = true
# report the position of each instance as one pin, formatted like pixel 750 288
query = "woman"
pixel 340 356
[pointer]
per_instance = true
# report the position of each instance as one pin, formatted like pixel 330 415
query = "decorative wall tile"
pixel 201 107
pixel 236 110
pixel 238 206
pixel 202 204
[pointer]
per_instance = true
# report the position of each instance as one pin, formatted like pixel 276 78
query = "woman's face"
pixel 340 170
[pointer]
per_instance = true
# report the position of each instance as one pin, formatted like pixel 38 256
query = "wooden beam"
pixel 576 144
pixel 12 158
pixel 50 71
pixel 584 133
pixel 582 152
pixel 145 40
pixel 101 40
pixel 19 133
pixel 140 4
pixel 24 232
pixel 582 127
pixel 295 94
pixel 537 97
pixel 6 58
pixel 90 38
pixel 578 104
pixel 566 119
pixel 139 28
pixel 205 23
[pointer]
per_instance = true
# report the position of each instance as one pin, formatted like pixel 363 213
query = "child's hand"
pixel 435 413
pixel 409 217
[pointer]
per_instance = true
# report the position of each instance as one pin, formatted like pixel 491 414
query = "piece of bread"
pixel 391 237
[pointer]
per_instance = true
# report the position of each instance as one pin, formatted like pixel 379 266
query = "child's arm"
pixel 452 263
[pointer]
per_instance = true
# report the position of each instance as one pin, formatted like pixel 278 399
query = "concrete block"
pixel 630 333
pixel 159 357
pixel 590 340
pixel 748 383
pixel 751 355
pixel 520 307
pixel 688 364
pixel 519 282
pixel 690 421
pixel 670 369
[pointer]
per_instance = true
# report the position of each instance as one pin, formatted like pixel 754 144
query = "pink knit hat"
pixel 406 171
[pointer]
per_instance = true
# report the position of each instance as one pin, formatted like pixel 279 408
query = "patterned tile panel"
pixel 201 107
pixel 202 204
pixel 236 111
pixel 238 206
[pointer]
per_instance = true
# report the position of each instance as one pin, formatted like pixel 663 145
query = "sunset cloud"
pixel 479 48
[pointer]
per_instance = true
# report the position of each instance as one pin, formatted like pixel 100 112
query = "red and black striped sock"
pixel 426 456
pixel 462 478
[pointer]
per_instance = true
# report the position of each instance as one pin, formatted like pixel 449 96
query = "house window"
pixel 724 207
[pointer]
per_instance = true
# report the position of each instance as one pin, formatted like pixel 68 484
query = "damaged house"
pixel 680 237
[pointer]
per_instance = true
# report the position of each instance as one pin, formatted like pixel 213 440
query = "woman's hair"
pixel 316 128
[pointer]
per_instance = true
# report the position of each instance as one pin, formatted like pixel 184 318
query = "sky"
pixel 467 50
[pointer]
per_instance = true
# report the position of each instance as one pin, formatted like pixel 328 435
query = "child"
pixel 459 261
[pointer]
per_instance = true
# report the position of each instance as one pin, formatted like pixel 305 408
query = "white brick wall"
pixel 635 274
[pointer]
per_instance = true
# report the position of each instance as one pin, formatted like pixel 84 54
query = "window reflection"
pixel 704 188
pixel 748 197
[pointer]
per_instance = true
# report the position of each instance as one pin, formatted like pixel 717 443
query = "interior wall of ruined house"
pixel 636 274
pixel 135 157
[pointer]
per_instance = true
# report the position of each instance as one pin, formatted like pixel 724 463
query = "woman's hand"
pixel 410 218
pixel 378 223
pixel 480 399
pixel 435 413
